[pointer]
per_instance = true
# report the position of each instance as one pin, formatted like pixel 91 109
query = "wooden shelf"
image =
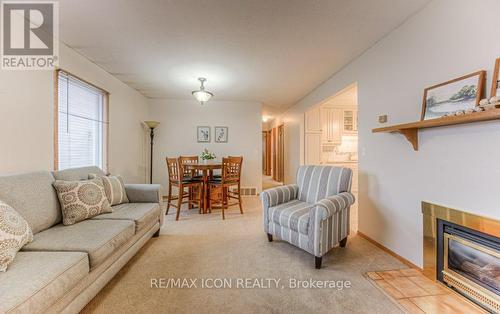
pixel 410 130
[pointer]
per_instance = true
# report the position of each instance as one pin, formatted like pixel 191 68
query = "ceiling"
pixel 269 51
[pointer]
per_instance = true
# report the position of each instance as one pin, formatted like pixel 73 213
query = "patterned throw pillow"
pixel 81 200
pixel 14 234
pixel 114 188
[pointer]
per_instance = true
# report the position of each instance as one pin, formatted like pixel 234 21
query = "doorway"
pixel 278 143
pixel 331 137
pixel 273 157
pixel 266 153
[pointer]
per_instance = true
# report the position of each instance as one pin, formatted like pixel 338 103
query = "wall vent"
pixel 246 191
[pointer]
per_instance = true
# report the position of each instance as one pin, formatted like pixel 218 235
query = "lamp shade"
pixel 152 124
pixel 202 96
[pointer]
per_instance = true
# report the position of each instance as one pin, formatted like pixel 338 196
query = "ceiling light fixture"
pixel 202 95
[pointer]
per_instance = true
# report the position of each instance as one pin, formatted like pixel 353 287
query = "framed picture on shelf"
pixel 495 86
pixel 221 134
pixel 203 134
pixel 459 94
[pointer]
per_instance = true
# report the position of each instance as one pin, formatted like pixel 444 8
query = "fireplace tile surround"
pixel 447 231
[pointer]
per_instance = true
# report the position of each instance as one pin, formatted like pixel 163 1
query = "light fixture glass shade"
pixel 152 124
pixel 202 96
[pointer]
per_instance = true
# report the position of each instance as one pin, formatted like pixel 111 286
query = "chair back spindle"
pixel 173 170
pixel 231 169
pixel 186 160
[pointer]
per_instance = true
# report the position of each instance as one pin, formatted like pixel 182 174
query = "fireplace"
pixel 463 251
pixel 469 262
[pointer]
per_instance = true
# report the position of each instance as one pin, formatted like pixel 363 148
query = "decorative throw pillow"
pixel 81 200
pixel 114 188
pixel 14 234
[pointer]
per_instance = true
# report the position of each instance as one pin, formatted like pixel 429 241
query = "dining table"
pixel 206 168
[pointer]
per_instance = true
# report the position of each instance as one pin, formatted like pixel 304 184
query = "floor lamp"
pixel 152 125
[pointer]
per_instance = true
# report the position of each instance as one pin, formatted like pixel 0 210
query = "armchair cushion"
pixel 319 182
pixel 331 205
pixel 293 215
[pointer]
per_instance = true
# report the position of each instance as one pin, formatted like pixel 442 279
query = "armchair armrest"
pixel 276 196
pixel 143 193
pixel 329 206
pixel 322 238
pixel 279 195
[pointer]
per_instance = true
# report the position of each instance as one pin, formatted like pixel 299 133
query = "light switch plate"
pixel 382 118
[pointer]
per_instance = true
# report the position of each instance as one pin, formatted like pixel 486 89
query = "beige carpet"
pixel 204 246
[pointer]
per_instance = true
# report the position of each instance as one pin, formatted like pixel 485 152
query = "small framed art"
pixel 203 134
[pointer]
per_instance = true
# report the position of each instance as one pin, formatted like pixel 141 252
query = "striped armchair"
pixel 312 214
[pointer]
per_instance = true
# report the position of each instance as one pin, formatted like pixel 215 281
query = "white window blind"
pixel 81 123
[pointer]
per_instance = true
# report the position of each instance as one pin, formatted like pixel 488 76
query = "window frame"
pixel 105 129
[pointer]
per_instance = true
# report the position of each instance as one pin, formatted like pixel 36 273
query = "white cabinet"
pixel 313 148
pixel 331 121
pixel 349 121
pixel 313 120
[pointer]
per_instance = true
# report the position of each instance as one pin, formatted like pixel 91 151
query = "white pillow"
pixel 14 234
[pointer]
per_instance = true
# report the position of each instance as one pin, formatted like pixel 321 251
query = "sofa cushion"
pixel 77 174
pixel 36 280
pixel 81 200
pixel 143 214
pixel 33 196
pixel 14 234
pixel 114 188
pixel 98 238
pixel 293 215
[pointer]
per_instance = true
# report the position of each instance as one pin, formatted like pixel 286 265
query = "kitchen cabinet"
pixel 313 120
pixel 313 148
pixel 349 121
pixel 331 121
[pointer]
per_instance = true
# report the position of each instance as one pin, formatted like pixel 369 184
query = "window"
pixel 81 123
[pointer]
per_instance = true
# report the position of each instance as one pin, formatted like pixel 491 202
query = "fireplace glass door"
pixel 472 268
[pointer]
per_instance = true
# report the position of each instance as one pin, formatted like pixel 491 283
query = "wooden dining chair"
pixel 176 178
pixel 236 194
pixel 230 177
pixel 191 174
pixel 219 175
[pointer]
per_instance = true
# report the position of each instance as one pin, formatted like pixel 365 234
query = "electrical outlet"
pixel 382 119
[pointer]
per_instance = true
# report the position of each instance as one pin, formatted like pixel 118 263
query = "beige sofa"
pixel 66 266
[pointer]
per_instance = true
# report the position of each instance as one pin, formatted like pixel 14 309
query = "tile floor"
pixel 418 294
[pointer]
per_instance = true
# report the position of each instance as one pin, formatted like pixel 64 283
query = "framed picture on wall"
pixel 203 134
pixel 495 86
pixel 459 94
pixel 221 134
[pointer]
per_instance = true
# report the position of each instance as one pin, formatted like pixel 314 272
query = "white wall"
pixel 176 134
pixel 27 119
pixel 456 165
